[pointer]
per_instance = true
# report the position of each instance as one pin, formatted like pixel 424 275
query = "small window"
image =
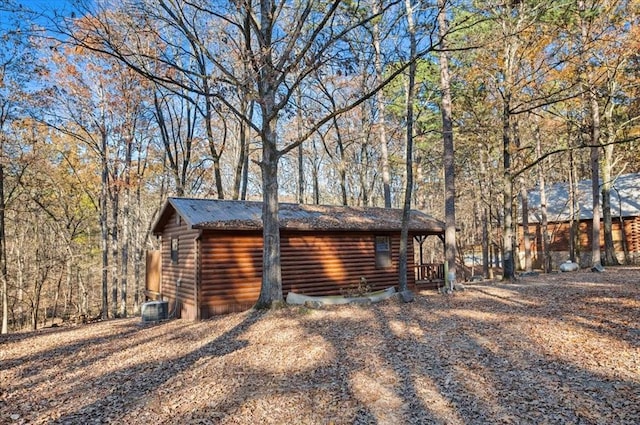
pixel 174 250
pixel 383 252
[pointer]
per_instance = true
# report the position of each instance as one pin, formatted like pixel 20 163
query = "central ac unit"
pixel 154 311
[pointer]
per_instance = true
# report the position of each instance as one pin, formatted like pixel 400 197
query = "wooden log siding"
pixel 312 264
pixel 560 233
pixel 230 271
pixel 632 231
pixel 325 264
pixel 179 278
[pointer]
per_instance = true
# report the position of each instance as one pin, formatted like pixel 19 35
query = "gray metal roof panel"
pixel 626 187
pixel 247 215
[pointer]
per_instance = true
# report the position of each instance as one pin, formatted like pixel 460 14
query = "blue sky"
pixel 47 7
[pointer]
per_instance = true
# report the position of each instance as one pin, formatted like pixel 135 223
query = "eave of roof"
pixel 247 215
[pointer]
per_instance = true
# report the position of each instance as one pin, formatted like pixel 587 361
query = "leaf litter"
pixel 547 349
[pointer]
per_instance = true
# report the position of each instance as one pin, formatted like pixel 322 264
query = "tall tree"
pixel 448 147
pixel 381 107
pixel 593 124
pixel 16 64
pixel 410 97
pixel 283 45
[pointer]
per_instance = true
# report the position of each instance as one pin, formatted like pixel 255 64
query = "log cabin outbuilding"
pixel 210 261
pixel 570 222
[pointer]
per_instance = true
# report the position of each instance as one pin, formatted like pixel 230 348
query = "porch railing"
pixel 430 272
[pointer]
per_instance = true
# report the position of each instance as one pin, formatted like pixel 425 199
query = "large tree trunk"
pixel 406 210
pixel 610 258
pixel 509 70
pixel 593 111
pixel 271 289
pixel 448 148
pixel 595 180
pixel 507 193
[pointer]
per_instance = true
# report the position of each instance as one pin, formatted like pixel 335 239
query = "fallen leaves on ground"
pixel 552 349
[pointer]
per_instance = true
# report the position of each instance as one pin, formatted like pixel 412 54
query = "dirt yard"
pixel 555 349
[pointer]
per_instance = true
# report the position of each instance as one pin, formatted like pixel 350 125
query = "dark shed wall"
pixel 313 264
pixel 179 278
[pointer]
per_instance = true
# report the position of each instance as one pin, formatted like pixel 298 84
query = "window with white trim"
pixel 383 252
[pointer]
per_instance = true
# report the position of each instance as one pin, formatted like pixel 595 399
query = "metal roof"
pixel 247 215
pixel 625 200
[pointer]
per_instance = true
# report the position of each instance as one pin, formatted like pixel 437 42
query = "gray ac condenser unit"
pixel 154 311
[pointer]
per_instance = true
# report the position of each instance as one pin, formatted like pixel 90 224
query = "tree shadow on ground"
pixel 133 385
pixel 451 360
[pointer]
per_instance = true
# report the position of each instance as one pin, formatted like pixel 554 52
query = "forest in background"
pixel 108 108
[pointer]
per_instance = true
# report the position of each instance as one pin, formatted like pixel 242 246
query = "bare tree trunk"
pixel 115 235
pixel 242 139
pixel 448 148
pixel 595 181
pixel 215 156
pixel 573 223
pixel 56 296
pixel 381 119
pixel 126 219
pixel 544 222
pixel 593 109
pixel 138 246
pixel 245 158
pixel 524 195
pixel 610 258
pixel 364 167
pixel 485 243
pixel 300 152
pixel 316 172
pixel 83 302
pixel 271 289
pixel 406 210
pixel 507 182
pixel 38 280
pixel 342 165
pixel 104 227
pixel 486 217
pixel 3 254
